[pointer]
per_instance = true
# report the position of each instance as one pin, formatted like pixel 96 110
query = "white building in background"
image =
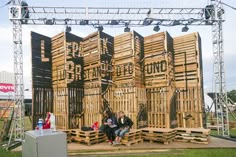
pixel 6 77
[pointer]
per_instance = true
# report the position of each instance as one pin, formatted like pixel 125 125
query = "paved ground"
pixel 214 143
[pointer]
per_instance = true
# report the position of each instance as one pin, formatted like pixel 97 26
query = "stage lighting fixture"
pixel 84 22
pixel 100 28
pixel 126 29
pixel 68 29
pixel 185 29
pixel 156 28
pixel 114 22
pixel 147 21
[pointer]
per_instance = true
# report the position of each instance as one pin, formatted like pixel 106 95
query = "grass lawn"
pixel 172 153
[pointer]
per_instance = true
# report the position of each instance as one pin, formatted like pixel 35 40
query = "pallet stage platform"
pixel 193 135
pixel 132 137
pixel 161 135
pixel 87 137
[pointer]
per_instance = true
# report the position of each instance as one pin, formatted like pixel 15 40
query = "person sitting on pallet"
pixel 110 125
pixel 124 124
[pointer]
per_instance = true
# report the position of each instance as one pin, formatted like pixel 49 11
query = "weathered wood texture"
pixel 41 61
pixel 161 107
pixel 68 107
pixel 159 79
pixel 42 93
pixel 128 54
pixel 155 80
pixel 88 137
pixel 132 137
pixel 67 62
pixel 159 70
pixel 193 135
pixel 188 61
pixel 189 107
pixel 96 47
pixel 42 102
pixel 133 101
pixel 164 136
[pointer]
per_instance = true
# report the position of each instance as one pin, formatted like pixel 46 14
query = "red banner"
pixel 6 87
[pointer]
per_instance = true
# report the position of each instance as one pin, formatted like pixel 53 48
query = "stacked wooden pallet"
pixel 42 92
pixel 128 55
pixel 128 86
pixel 67 80
pixel 132 137
pixel 188 80
pixel 87 137
pixel 159 79
pixel 162 135
pixel 193 135
pixel 97 51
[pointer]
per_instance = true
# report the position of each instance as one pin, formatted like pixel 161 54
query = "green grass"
pixel 192 153
pixel 28 125
pixel 4 153
pixel 172 153
pixel 232 132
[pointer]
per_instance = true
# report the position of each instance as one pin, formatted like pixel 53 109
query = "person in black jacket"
pixel 110 125
pixel 124 125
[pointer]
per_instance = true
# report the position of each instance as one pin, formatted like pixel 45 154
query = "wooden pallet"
pixel 132 137
pixel 193 131
pixel 64 99
pixel 97 47
pixel 187 56
pixel 193 135
pixel 156 140
pixel 129 44
pixel 158 43
pixel 162 135
pixel 88 137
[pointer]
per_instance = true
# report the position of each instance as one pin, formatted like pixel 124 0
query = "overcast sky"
pixel 6 53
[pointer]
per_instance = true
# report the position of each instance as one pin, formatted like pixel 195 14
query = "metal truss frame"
pixel 101 16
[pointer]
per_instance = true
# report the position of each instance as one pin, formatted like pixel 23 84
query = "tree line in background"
pixel 232 95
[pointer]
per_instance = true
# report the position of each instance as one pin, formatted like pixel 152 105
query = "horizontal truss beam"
pixel 122 16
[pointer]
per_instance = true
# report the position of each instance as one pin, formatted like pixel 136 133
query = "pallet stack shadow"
pixel 97 51
pixel 162 135
pixel 189 80
pixel 87 137
pixel 57 79
pixel 193 135
pixel 128 85
pixel 159 79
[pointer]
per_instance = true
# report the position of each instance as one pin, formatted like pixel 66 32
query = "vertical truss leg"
pixel 219 73
pixel 17 130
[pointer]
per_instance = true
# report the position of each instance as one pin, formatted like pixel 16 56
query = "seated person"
pixel 124 125
pixel 110 125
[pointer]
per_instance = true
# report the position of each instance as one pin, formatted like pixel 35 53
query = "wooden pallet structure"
pixel 132 137
pixel 128 85
pixel 161 135
pixel 67 80
pixel 159 79
pixel 87 137
pixel 156 80
pixel 193 135
pixel 97 51
pixel 42 91
pixel 57 78
pixel 189 80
